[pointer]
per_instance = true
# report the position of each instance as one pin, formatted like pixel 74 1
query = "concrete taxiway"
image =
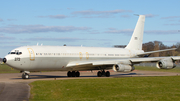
pixel 13 87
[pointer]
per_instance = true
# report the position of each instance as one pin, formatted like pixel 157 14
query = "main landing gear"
pixel 103 73
pixel 77 73
pixel 73 74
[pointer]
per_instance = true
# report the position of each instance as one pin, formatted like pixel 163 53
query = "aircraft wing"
pixel 110 62
pixel 151 52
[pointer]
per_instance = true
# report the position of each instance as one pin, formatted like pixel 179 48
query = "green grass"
pixel 6 69
pixel 108 89
pixel 176 69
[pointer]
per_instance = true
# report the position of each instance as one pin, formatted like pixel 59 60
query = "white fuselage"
pixel 38 58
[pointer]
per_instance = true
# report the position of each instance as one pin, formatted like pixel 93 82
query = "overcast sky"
pixel 91 23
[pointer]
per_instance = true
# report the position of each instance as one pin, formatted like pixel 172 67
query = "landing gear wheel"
pixel 77 74
pixel 73 73
pixel 107 73
pixel 25 76
pixel 69 74
pixel 99 74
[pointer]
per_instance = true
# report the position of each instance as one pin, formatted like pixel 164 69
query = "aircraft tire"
pixel 69 74
pixel 107 73
pixel 77 74
pixel 25 76
pixel 73 74
pixel 99 74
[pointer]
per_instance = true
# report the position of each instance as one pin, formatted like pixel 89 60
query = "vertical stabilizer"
pixel 137 38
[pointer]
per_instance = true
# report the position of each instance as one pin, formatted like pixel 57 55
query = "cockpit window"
pixel 16 52
pixel 11 53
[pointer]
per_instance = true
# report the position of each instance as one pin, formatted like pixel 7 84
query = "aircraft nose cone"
pixel 4 60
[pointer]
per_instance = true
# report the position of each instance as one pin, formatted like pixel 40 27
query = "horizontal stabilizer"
pixel 151 52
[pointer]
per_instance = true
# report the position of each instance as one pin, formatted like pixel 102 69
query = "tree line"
pixel 157 45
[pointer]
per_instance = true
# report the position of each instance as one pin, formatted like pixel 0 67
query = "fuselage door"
pixel 31 54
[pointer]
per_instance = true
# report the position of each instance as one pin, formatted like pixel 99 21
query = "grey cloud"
pixel 10 46
pixel 54 16
pixel 115 31
pixel 93 32
pixel 1 20
pixel 14 42
pixel 68 39
pixel 150 15
pixel 125 16
pixel 55 39
pixel 130 31
pixel 70 8
pixel 175 24
pixel 39 28
pixel 112 28
pixel 11 19
pixel 2 37
pixel 8 42
pixel 91 12
pixel 99 16
pixel 162 32
pixel 170 17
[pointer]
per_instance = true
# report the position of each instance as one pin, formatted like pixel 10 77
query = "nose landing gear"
pixel 25 75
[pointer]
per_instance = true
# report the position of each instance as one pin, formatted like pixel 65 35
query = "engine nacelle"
pixel 167 63
pixel 123 68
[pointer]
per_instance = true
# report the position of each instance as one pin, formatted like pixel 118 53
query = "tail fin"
pixel 137 37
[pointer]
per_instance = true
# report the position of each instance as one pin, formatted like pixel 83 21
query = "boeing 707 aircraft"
pixel 75 59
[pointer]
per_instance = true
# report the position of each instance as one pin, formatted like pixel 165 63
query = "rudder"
pixel 137 38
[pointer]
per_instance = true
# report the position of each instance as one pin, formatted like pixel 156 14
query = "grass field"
pixel 108 89
pixel 176 69
pixel 6 69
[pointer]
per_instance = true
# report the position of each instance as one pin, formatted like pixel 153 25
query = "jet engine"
pixel 123 68
pixel 166 63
